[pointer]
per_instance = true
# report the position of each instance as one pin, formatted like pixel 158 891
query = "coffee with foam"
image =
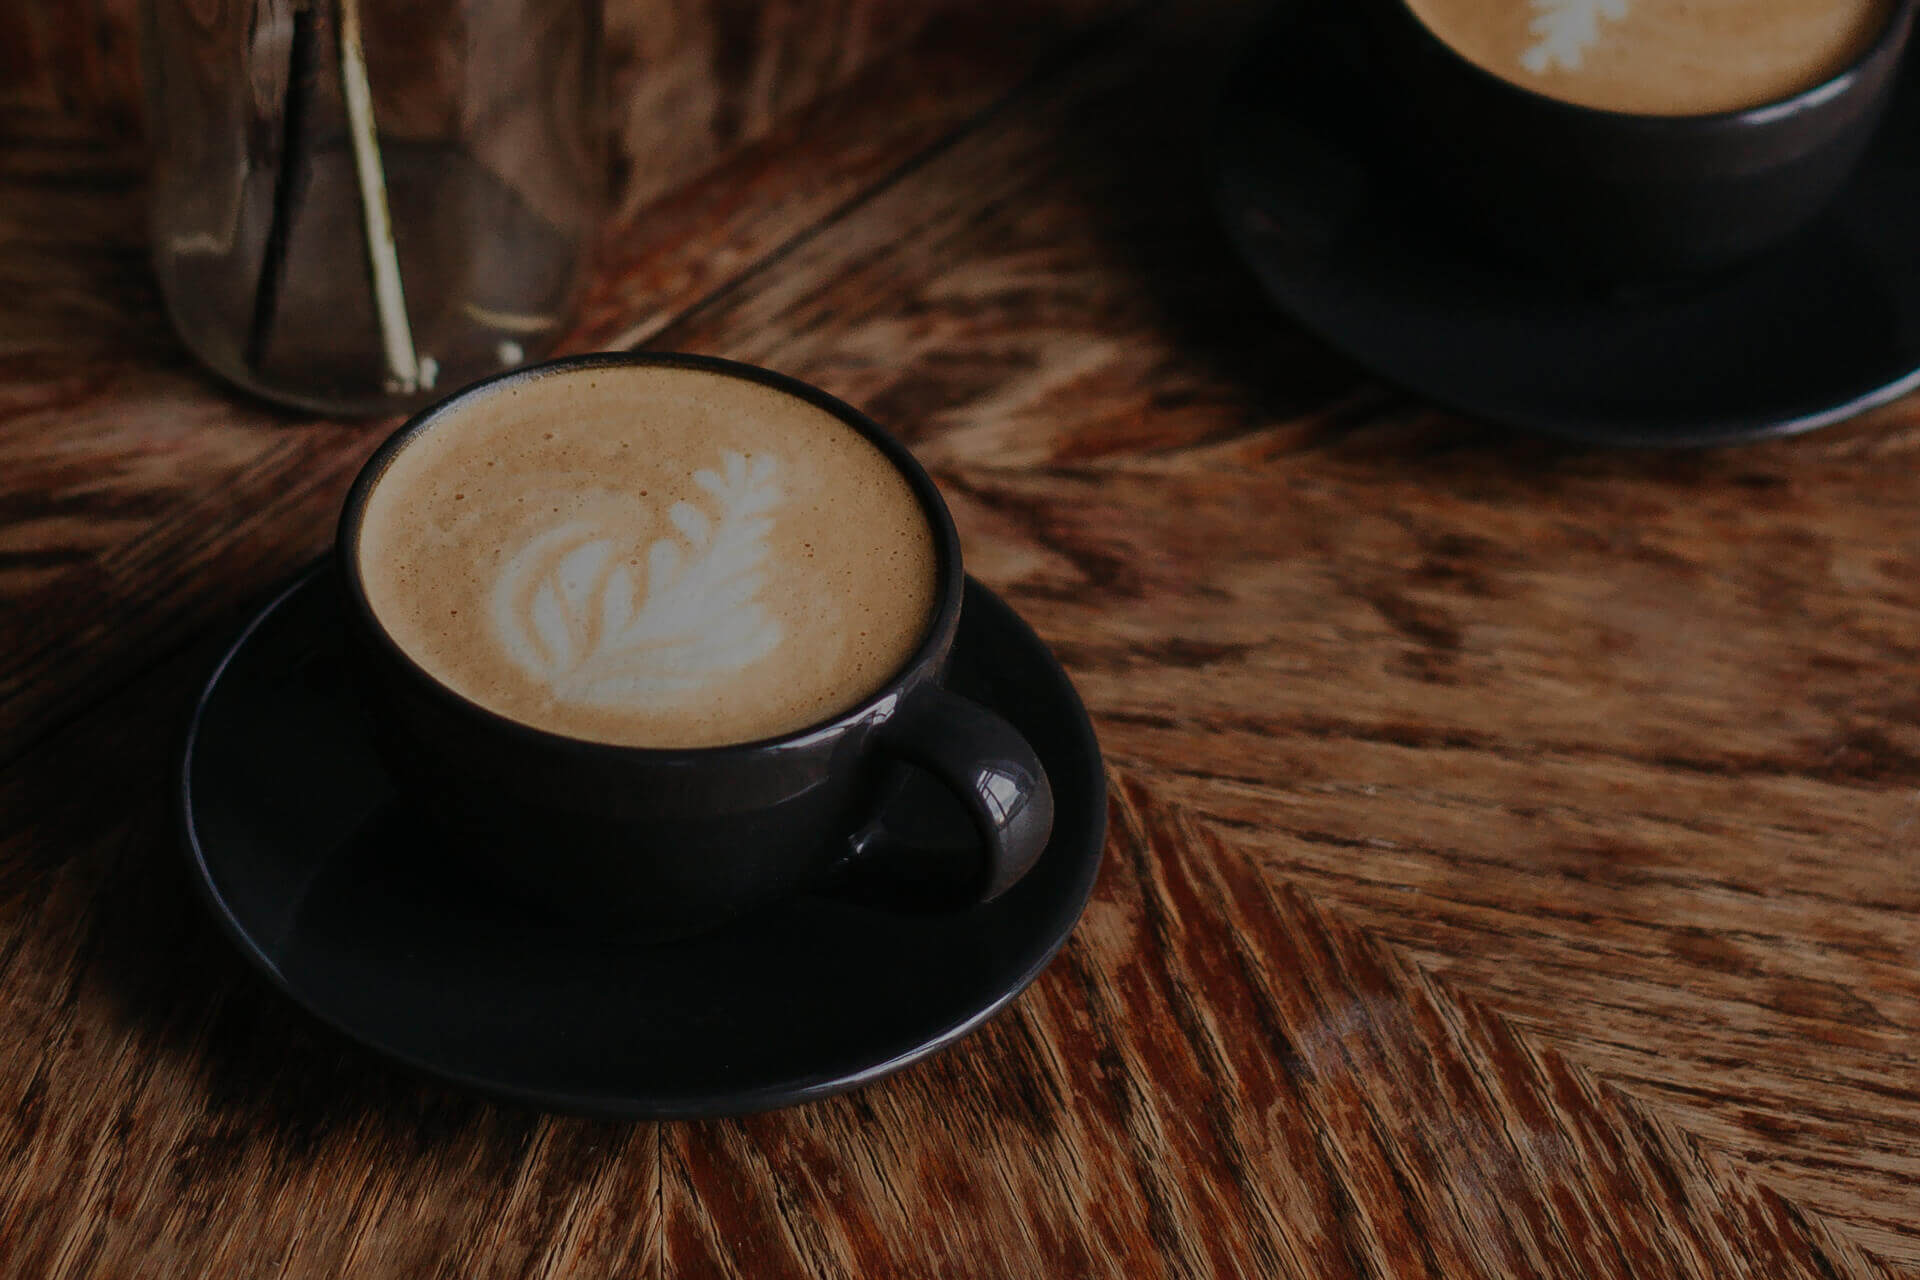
pixel 649 555
pixel 1660 57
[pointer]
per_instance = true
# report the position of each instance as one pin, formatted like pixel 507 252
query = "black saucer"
pixel 329 886
pixel 1317 193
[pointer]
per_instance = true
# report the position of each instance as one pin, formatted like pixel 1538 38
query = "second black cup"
pixel 1609 195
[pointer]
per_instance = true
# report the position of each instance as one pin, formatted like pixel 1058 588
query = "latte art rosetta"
pixel 649 555
pixel 1564 30
pixel 574 611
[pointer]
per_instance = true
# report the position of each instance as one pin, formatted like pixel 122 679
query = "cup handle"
pixel 985 763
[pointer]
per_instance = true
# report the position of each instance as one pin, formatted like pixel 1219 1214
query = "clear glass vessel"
pixel 359 205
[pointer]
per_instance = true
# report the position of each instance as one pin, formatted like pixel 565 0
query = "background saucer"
pixel 1316 194
pixel 328 885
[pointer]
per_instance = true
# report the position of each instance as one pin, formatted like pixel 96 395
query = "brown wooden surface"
pixel 1512 860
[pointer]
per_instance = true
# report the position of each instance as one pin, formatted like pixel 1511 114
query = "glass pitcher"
pixel 359 205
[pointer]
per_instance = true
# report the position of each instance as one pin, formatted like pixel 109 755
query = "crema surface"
pixel 1660 57
pixel 649 556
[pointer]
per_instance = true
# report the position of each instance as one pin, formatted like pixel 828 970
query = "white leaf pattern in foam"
pixel 568 612
pixel 1564 30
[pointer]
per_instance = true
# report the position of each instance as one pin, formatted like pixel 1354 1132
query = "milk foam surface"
pixel 649 556
pixel 1660 57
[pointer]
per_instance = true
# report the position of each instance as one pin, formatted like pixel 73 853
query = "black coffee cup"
pixel 1608 196
pixel 666 842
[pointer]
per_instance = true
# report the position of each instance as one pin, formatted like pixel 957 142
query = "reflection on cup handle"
pixel 990 770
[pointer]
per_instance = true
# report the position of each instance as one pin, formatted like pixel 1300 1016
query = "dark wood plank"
pixel 1657 707
pixel 1511 861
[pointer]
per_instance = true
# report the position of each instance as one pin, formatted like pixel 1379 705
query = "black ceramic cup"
pixel 664 842
pixel 1607 196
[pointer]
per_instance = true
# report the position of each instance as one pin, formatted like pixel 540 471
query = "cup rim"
pixel 949 589
pixel 1893 34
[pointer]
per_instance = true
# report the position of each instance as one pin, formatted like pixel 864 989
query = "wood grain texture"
pixel 690 80
pixel 1511 868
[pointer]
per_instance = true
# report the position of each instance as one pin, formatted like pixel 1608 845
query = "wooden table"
pixel 1511 868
